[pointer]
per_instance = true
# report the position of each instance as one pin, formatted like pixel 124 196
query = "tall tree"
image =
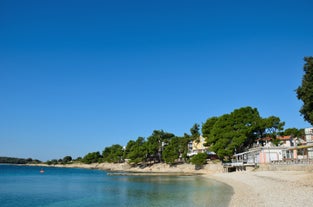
pixel 136 150
pixel 171 152
pixel 113 154
pixel 305 91
pixel 294 131
pixel 156 143
pixel 237 131
pixel 67 159
pixel 195 134
pixel 92 157
pixel 208 126
pixel 269 127
pixel 199 160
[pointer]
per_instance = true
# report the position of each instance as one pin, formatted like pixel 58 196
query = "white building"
pixel 309 140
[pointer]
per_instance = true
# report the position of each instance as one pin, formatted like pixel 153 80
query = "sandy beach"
pixel 269 188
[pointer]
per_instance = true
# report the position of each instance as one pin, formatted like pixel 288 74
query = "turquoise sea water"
pixel 22 186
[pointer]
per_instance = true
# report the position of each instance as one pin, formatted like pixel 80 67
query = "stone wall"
pixel 294 167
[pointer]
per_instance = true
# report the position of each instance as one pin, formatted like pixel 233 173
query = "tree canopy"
pixel 199 160
pixel 136 151
pixel 305 91
pixel 113 154
pixel 237 131
pixel 92 157
pixel 294 131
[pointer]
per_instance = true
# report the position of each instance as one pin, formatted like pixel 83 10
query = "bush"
pixel 199 160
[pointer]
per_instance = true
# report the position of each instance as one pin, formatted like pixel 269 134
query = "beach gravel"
pixel 269 188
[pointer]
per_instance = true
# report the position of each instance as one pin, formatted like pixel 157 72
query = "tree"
pixel 156 143
pixel 273 125
pixel 177 148
pixel 195 134
pixel 199 160
pixel 171 152
pixel 237 131
pixel 113 154
pixel 294 131
pixel 183 146
pixel 233 132
pixel 208 126
pixel 67 159
pixel 136 151
pixel 305 91
pixel 92 157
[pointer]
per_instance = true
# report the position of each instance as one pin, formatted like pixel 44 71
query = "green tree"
pixel 270 127
pixel 237 131
pixel 67 159
pixel 234 132
pixel 156 143
pixel 199 160
pixel 195 134
pixel 208 126
pixel 53 162
pixel 183 146
pixel 92 157
pixel 113 154
pixel 273 125
pixel 294 131
pixel 136 151
pixel 305 91
pixel 172 152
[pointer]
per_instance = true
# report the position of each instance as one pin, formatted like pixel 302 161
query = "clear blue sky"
pixel 77 76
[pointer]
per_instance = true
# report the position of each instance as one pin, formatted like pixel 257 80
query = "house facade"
pixel 309 140
pixel 197 146
pixel 290 148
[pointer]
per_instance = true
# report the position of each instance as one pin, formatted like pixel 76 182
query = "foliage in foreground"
pixel 305 91
pixel 199 160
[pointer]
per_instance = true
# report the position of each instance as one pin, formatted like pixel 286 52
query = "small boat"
pixel 41 171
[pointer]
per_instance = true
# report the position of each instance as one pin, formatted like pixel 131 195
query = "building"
pixel 289 149
pixel 197 146
pixel 309 140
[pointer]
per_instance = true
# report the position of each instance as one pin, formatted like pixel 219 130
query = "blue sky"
pixel 77 76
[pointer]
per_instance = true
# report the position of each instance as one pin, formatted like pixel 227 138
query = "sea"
pixel 26 186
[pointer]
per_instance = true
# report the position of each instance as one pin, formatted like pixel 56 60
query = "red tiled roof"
pixel 284 138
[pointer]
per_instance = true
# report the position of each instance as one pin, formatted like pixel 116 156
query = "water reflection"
pixel 171 191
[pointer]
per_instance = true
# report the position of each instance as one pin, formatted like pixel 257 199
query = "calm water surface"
pixel 22 186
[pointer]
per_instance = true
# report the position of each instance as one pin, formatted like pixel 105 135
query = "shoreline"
pixel 261 187
pixel 268 188
pixel 155 169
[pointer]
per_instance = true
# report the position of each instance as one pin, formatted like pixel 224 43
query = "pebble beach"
pixel 269 188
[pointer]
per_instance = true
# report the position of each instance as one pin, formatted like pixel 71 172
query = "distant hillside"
pixel 13 160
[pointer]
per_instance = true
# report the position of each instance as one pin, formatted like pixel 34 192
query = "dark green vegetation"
pixel 65 160
pixel 13 160
pixel 225 135
pixel 160 146
pixel 305 91
pixel 237 131
pixel 199 160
